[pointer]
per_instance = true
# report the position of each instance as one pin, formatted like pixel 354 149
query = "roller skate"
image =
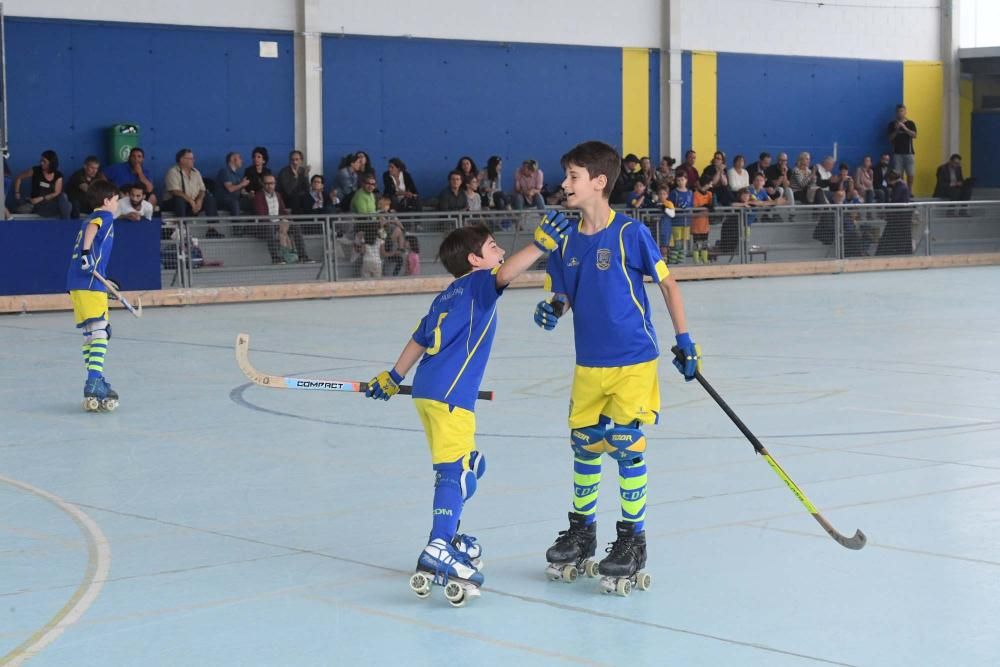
pixel 110 403
pixel 573 551
pixel 441 564
pixel 621 570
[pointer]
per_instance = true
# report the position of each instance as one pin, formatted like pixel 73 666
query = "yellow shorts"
pixel 89 305
pixel 623 393
pixel 451 430
pixel 680 233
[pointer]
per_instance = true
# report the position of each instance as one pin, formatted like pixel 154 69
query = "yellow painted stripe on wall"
pixel 704 109
pixel 635 101
pixel 923 95
pixel 965 105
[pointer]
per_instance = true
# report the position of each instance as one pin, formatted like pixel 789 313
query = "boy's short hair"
pixel 384 200
pixel 99 191
pixel 455 249
pixel 706 179
pixel 598 158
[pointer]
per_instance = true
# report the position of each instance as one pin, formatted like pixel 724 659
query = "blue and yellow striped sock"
pixel 95 360
pixel 586 482
pixel 86 354
pixel 632 484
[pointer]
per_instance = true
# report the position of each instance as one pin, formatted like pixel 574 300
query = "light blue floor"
pixel 248 526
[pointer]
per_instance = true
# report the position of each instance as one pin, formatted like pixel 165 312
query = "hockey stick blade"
pixel 113 291
pixel 313 384
pixel 856 542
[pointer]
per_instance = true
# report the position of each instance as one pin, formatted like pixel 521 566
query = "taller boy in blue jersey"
pixel 598 271
pixel 91 253
pixel 452 343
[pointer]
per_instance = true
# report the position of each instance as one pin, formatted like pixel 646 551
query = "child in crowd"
pixel 371 256
pixel 683 201
pixel 91 254
pixel 700 223
pixel 412 256
pixel 446 387
pixel 639 198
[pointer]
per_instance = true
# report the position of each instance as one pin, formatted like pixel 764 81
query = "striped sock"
pixel 95 361
pixel 86 354
pixel 632 484
pixel 586 482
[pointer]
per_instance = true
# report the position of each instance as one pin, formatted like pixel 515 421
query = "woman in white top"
pixel 739 177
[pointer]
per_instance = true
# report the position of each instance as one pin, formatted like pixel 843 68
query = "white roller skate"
pixel 468 545
pixel 573 551
pixel 441 564
pixel 621 570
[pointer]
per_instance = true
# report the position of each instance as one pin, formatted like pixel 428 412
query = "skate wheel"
pixel 421 585
pixel 455 594
pixel 623 587
pixel 91 404
pixel 590 568
pixel 644 581
pixel 570 573
pixel 109 404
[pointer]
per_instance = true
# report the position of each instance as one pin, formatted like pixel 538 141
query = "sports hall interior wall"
pixel 432 101
pixel 201 88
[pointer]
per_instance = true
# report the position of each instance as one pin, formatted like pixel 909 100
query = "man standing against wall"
pixel 902 132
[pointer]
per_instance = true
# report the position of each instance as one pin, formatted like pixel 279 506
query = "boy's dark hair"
pixel 598 158
pixel 263 152
pixel 455 249
pixel 91 159
pixel 99 191
pixel 414 243
pixel 705 179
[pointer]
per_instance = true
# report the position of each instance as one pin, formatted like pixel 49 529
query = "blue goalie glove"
pixel 551 231
pixel 547 313
pixel 385 385
pixel 687 356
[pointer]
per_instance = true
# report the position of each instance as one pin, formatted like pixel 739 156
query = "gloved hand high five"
pixel 551 231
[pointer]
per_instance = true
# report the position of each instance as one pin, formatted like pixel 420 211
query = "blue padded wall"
pixel 985 148
pixel 793 104
pixel 654 106
pixel 206 89
pixel 431 101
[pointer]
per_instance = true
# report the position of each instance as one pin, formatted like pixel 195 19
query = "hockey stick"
pixel 856 542
pixel 113 291
pixel 284 382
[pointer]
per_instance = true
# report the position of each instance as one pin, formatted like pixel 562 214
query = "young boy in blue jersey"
pixel 680 234
pixel 598 272
pixel 92 252
pixel 452 343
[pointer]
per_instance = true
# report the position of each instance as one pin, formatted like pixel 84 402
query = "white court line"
pixel 98 567
pixel 923 414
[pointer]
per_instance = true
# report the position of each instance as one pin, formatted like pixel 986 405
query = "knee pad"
pixel 97 329
pixel 626 443
pixel 462 474
pixel 589 442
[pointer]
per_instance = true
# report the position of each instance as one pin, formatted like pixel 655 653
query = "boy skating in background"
pixel 92 252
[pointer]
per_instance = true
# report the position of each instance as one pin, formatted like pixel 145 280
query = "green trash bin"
pixel 122 138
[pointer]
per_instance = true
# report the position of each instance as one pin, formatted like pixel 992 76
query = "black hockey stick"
pixel 856 542
pixel 285 382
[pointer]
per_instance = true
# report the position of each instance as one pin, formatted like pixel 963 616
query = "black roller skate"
pixel 110 402
pixel 622 568
pixel 573 551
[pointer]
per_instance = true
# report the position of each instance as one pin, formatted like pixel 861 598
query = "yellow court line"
pixel 98 567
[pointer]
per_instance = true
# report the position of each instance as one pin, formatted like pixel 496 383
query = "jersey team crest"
pixel 603 259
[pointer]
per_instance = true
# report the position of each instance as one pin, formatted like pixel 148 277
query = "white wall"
pixel 980 21
pixel 268 14
pixel 584 22
pixel 909 31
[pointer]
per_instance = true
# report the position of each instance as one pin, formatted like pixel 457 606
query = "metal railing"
pixel 231 251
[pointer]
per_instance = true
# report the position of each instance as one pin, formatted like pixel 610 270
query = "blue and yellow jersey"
pixel 100 252
pixel 602 276
pixel 458 334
